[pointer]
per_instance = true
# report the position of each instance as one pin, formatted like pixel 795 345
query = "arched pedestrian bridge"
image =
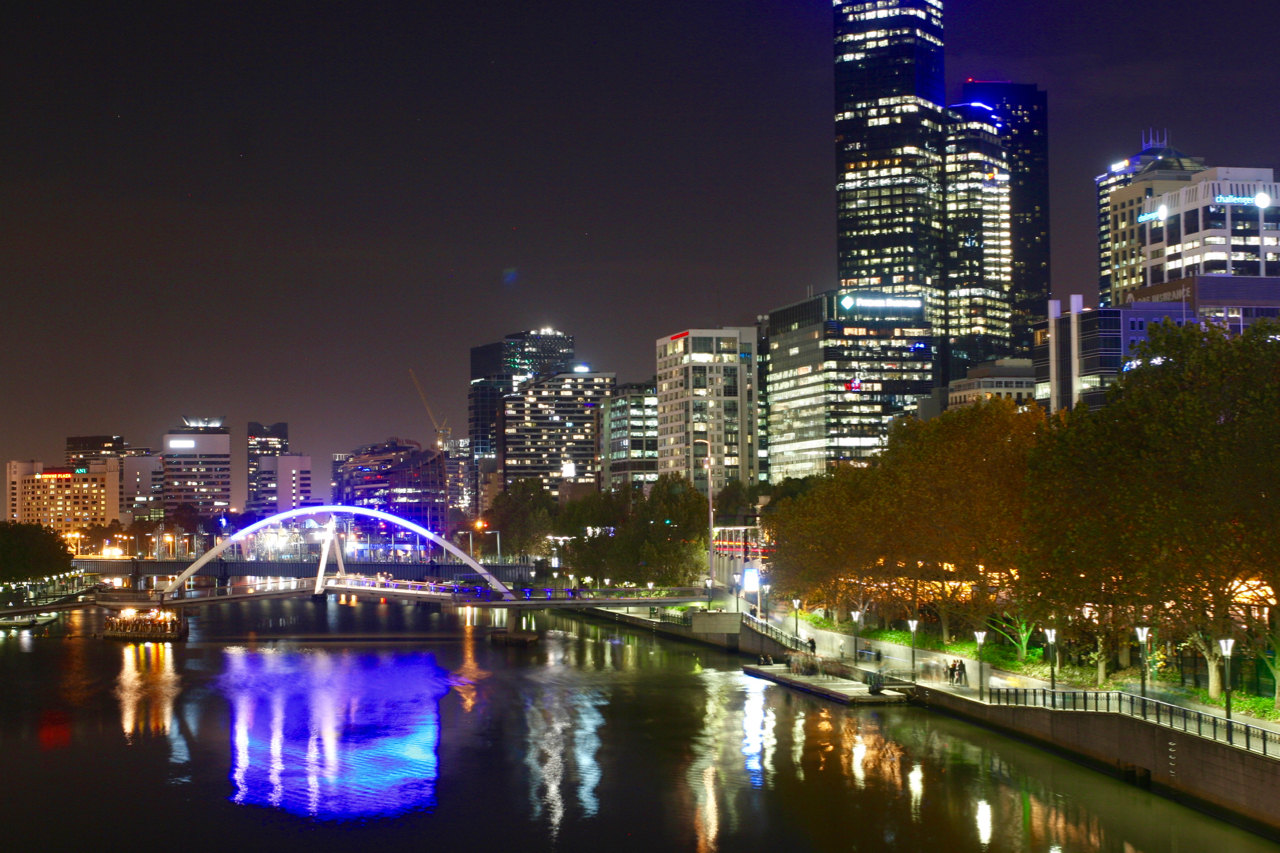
pixel 488 591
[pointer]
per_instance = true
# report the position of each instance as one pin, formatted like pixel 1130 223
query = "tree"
pixel 1201 408
pixel 950 513
pixel 522 515
pixel 30 551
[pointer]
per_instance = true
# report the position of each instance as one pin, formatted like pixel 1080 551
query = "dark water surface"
pixel 384 727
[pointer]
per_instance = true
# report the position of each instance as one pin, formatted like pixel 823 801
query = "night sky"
pixel 274 211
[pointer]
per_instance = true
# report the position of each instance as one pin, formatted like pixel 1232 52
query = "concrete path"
pixel 829 687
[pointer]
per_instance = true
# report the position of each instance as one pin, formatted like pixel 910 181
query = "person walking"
pixel 964 675
pixel 813 646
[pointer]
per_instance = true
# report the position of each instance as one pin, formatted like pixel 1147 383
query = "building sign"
pixel 182 442
pixel 1261 199
pixel 1147 217
pixel 1123 164
pixel 48 476
pixel 888 303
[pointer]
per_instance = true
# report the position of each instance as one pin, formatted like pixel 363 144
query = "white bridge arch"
pixel 240 535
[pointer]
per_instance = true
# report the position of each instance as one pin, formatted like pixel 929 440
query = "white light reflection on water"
pixel 340 735
pixel 562 743
pixel 984 823
pixel 915 784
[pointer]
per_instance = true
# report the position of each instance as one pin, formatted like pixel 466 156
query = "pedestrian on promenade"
pixel 964 675
pixel 813 646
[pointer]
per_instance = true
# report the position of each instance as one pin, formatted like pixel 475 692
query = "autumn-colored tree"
pixel 1200 413
pixel 950 507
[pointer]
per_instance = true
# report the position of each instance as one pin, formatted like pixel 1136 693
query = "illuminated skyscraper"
pixel 1155 148
pixel 706 386
pixel 498 369
pixel 265 440
pixel 197 467
pixel 978 281
pixel 842 366
pixel 890 136
pixel 1024 110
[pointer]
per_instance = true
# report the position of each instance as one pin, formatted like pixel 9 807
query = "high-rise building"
pixel 263 440
pixel 64 499
pixel 978 269
pixel 498 369
pixel 82 449
pixel 399 477
pixel 842 366
pixel 143 478
pixel 1220 221
pixel 197 466
pixel 1155 147
pixel 547 430
pixel 706 387
pixel 890 136
pixel 283 483
pixel 335 474
pixel 1024 109
pixel 458 469
pixel 628 436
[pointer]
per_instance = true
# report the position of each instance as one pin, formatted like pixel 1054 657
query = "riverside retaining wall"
pixel 1230 783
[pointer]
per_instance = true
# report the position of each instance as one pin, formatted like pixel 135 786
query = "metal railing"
pixel 685 619
pixel 773 632
pixel 1241 735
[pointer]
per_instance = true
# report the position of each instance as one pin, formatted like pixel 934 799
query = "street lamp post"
pixel 856 616
pixel 711 513
pixel 707 581
pixel 764 600
pixel 737 580
pixel 1051 634
pixel 1226 645
pixel 795 602
pixel 980 636
pixel 912 624
pixel 1143 632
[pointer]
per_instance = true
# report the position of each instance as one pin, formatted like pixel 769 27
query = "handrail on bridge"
pixel 791 641
pixel 1176 717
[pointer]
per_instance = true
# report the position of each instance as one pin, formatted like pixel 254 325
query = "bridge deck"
pixel 440 592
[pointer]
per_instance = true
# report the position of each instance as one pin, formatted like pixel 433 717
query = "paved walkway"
pixel 831 687
pixel 931 666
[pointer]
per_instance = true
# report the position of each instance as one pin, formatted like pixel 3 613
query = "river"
pixel 318 726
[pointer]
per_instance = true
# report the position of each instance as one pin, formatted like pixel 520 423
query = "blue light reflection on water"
pixel 334 735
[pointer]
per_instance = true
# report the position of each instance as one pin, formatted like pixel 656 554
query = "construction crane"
pixel 441 427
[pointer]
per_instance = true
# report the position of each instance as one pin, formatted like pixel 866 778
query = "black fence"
pixel 1242 735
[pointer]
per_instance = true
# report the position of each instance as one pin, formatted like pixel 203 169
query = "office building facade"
pixel 979 298
pixel 628 435
pixel 547 430
pixel 396 476
pixel 283 483
pixel 263 440
pixel 1155 148
pixel 1220 221
pixel 197 467
pixel 143 478
pixel 1003 379
pixel 706 386
pixel 842 366
pixel 64 499
pixel 890 138
pixel 1024 109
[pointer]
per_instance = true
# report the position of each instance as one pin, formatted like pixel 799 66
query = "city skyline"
pixel 323 187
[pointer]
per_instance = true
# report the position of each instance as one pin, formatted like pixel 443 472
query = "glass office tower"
pixel 1024 109
pixel 890 135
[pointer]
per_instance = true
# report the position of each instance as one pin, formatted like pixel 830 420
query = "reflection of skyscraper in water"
pixel 563 743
